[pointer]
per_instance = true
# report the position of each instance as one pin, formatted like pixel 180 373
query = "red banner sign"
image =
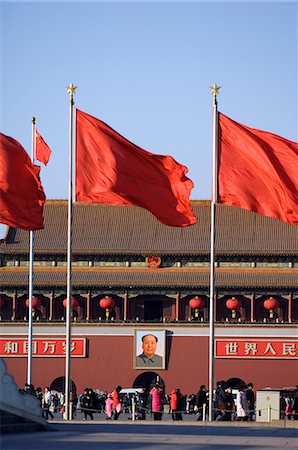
pixel 256 348
pixel 42 347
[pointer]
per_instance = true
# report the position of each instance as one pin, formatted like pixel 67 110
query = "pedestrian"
pixel 295 405
pixel 288 408
pixel 29 389
pixel 191 402
pixel 230 405
pixel 141 405
pixel 201 402
pixel 39 395
pixel 241 405
pixel 250 397
pixel 179 405
pixel 109 407
pixel 156 405
pixel 87 403
pixel 46 403
pixel 117 407
pixel 174 403
pixel 220 401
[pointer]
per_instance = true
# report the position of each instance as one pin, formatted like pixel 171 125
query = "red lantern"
pixel 36 302
pixel 271 304
pixel 234 304
pixel 107 302
pixel 197 303
pixel 74 302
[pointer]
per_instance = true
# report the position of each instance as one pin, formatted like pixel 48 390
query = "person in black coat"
pixel 201 400
pixel 250 397
pixel 221 401
pixel 87 404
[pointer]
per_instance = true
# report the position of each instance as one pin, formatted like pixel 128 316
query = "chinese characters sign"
pixel 42 347
pixel 256 348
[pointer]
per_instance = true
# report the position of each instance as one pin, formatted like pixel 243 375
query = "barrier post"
pixel 269 413
pixel 133 409
pixel 204 412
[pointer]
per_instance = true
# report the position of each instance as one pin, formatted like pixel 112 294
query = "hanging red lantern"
pixel 197 303
pixel 74 302
pixel 107 302
pixel 36 302
pixel 271 304
pixel 234 304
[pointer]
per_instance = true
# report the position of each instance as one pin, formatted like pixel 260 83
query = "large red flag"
pixel 112 170
pixel 43 151
pixel 258 171
pixel 21 193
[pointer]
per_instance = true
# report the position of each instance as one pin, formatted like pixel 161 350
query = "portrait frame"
pixel 160 349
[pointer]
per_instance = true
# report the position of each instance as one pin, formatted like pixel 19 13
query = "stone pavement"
pixel 77 435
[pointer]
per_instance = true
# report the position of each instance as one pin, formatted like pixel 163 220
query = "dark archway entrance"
pixel 153 310
pixel 235 383
pixel 147 379
pixel 59 385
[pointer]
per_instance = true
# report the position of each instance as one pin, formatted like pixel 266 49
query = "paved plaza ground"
pixel 127 435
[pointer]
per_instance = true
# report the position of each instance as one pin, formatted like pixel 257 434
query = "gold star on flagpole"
pixel 214 92
pixel 71 89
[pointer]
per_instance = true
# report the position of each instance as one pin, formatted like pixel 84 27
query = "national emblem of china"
pixel 153 262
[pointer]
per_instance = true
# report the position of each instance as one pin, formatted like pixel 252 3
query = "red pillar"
pixel 14 302
pixel 88 306
pixel 51 306
pixel 290 304
pixel 252 304
pixel 125 301
pixel 177 306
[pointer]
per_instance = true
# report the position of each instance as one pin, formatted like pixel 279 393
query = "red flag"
pixel 112 170
pixel 43 151
pixel 21 193
pixel 258 171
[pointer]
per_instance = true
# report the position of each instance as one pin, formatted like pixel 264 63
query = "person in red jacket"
pixel 117 407
pixel 157 397
pixel 176 404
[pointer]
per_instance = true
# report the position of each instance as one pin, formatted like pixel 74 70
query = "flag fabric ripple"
pixel 42 150
pixel 112 170
pixel 257 171
pixel 21 193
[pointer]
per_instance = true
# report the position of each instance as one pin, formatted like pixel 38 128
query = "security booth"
pixel 270 403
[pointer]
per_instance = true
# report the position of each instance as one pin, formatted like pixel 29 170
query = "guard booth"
pixel 270 403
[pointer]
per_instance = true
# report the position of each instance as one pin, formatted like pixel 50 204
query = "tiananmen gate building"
pixel 132 276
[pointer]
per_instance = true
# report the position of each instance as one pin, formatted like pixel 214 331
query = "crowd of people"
pixel 228 405
pixel 50 402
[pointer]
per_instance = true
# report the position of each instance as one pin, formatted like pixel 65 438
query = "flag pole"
pixel 68 413
pixel 214 92
pixel 31 259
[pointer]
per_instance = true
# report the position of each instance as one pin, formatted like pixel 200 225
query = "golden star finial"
pixel 214 91
pixel 71 89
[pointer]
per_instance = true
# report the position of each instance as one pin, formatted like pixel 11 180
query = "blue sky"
pixel 145 68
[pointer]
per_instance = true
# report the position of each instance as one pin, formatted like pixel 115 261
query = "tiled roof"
pixel 176 278
pixel 106 229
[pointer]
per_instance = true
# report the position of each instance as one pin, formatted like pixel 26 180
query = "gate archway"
pixel 235 383
pixel 59 385
pixel 147 379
